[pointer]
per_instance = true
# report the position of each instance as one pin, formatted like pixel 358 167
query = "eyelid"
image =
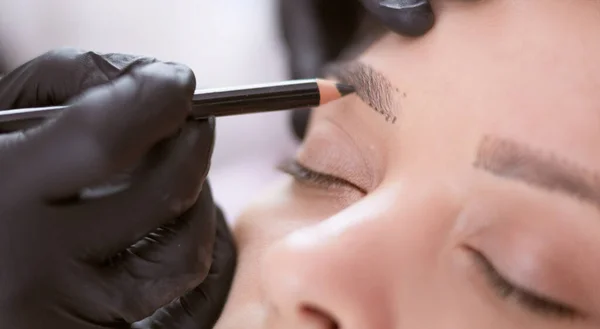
pixel 330 149
pixel 302 172
pixel 530 300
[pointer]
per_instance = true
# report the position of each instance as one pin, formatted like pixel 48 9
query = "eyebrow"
pixel 513 160
pixel 371 86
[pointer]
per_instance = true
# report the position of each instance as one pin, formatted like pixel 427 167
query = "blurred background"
pixel 224 42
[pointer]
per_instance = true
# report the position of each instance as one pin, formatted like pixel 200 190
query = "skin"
pixel 402 255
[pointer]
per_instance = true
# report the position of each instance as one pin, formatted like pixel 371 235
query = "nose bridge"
pixel 363 267
pixel 338 268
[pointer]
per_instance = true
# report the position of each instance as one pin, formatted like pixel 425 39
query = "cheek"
pixel 272 216
pixel 279 211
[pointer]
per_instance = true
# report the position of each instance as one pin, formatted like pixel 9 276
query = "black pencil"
pixel 232 101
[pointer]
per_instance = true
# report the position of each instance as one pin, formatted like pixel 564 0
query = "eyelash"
pixel 305 175
pixel 507 290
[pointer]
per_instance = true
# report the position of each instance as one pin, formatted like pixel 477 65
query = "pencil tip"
pixel 344 89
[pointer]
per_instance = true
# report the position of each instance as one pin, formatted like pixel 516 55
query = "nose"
pixel 329 276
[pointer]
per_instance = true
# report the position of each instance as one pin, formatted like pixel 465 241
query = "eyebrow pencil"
pixel 232 100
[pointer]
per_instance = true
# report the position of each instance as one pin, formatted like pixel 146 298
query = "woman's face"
pixel 473 201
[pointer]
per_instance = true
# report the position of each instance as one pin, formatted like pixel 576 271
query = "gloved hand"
pixel 201 307
pixel 411 18
pixel 105 213
pixel 317 31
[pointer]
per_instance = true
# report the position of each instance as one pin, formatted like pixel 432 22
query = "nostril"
pixel 315 315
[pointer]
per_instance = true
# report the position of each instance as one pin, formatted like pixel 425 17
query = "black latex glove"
pixel 317 31
pixel 105 214
pixel 410 18
pixel 201 307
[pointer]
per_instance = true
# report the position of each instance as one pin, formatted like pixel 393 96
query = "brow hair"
pixel 372 87
pixel 511 159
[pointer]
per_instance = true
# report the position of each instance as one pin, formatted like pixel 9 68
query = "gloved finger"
pixel 411 18
pixel 316 32
pixel 107 131
pixel 303 34
pixel 167 263
pixel 12 126
pixel 59 75
pixel 300 119
pixel 201 307
pixel 167 185
pixel 147 248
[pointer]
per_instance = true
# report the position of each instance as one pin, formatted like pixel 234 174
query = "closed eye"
pixel 308 176
pixel 529 300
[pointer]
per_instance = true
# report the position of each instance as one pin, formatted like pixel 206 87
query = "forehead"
pixel 522 70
